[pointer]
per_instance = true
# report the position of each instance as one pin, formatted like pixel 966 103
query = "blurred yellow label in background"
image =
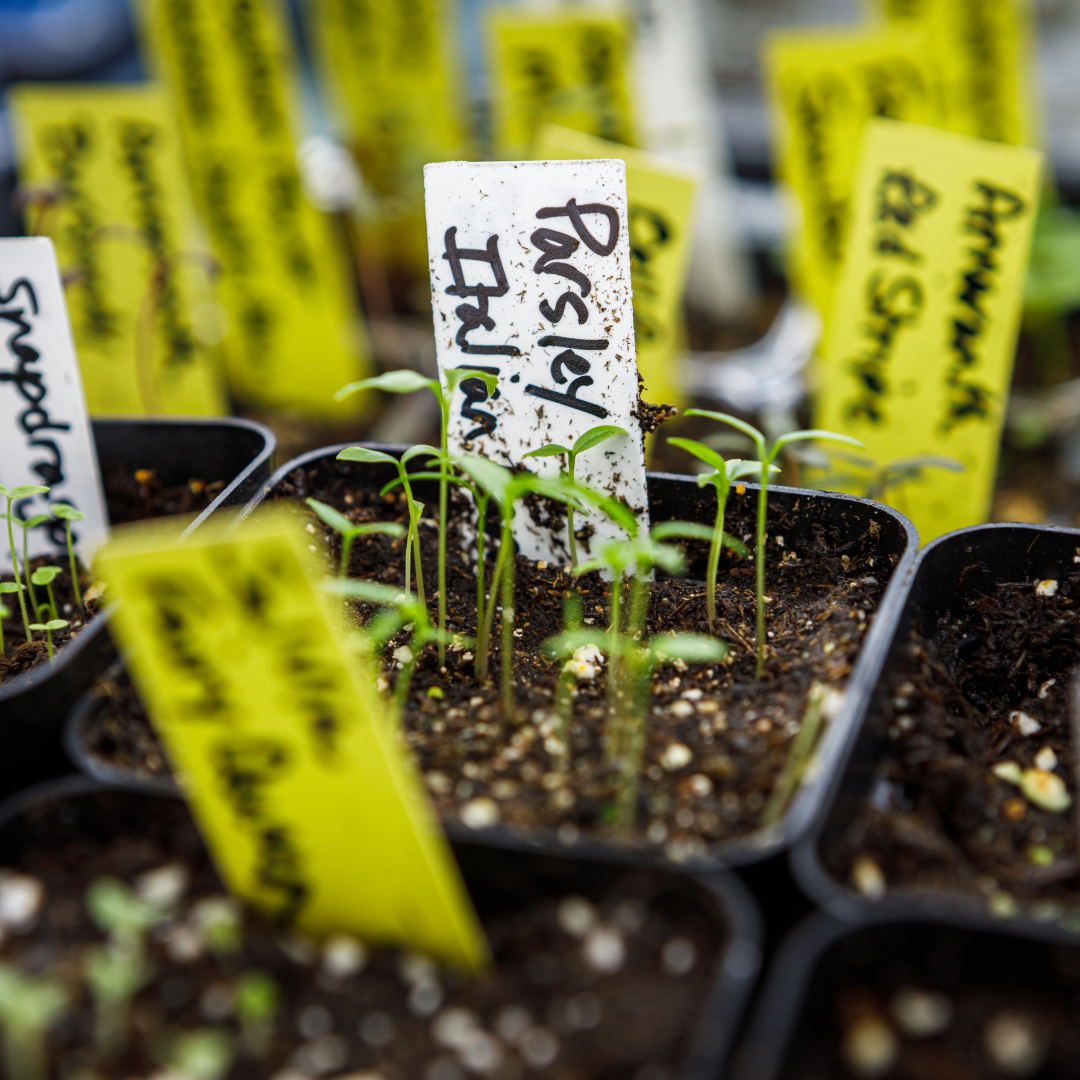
pixel 311 809
pixel 104 175
pixel 567 68
pixel 294 335
pixel 825 86
pixel 660 198
pixel 919 350
pixel 390 71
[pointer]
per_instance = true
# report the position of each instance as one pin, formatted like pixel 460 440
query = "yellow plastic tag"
pixel 295 336
pixel 568 68
pixel 659 209
pixel 825 85
pixel 391 73
pixel 310 807
pixel 919 350
pixel 104 173
pixel 982 49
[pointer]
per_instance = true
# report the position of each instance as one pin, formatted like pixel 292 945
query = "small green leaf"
pixel 735 422
pixel 690 530
pixel 67 512
pixel 596 435
pixel 700 450
pixel 737 469
pixel 404 381
pixel 11 586
pixel 563 645
pixel 337 521
pixel 52 624
pixel 27 490
pixel 45 575
pixel 551 450
pixel 812 434
pixel 735 545
pixel 692 648
pixel 621 514
pixel 493 478
pixel 456 376
pixel 416 451
pixel 388 528
pixel 5 611
pixel 369 591
pixel 362 453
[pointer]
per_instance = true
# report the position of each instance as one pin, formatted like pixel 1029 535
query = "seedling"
pixel 204 1054
pixel 11 494
pixel 45 576
pixel 349 531
pixel 28 1009
pixel 67 514
pixel 766 458
pixel 593 437
pixel 724 474
pixel 408 382
pixel 872 480
pixel 507 489
pixel 258 1002
pixel 48 629
pixel 26 525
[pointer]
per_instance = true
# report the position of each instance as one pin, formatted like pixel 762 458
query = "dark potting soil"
pixel 602 975
pixel 980 700
pixel 131 495
pixel 717 740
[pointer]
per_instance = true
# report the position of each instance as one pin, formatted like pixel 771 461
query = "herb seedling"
pixel 593 437
pixel 258 1002
pixel 48 629
pixel 507 489
pixel 11 494
pixel 26 525
pixel 46 575
pixel 67 514
pixel 349 531
pixel 766 458
pixel 724 474
pixel 28 1009
pixel 408 382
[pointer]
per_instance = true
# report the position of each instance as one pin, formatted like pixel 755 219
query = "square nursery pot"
pixel 916 823
pixel 668 1006
pixel 915 999
pixel 237 453
pixel 861 525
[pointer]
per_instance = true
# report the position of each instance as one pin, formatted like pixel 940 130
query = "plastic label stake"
pixel 309 805
pixel 107 182
pixel 568 68
pixel 825 86
pixel 660 200
pixel 919 350
pixel 530 281
pixel 295 337
pixel 45 436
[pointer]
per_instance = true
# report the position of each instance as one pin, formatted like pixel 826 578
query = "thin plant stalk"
pixel 71 563
pixel 26 566
pixel 508 574
pixel 18 577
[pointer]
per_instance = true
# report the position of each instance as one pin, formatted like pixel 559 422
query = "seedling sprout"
pixel 349 531
pixel 258 1002
pixel 29 1007
pixel 11 494
pixel 766 458
pixel 48 629
pixel 26 525
pixel 67 515
pixel 46 575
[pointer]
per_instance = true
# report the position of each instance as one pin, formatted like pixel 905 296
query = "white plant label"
pixel 45 435
pixel 530 281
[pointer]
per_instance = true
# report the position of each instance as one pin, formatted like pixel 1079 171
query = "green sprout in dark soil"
pixel 203 1054
pixel 45 576
pixel 593 437
pixel 349 531
pixel 48 629
pixel 12 494
pixel 258 1002
pixel 26 524
pixel 67 514
pixel 408 382
pixel 29 1007
pixel 766 458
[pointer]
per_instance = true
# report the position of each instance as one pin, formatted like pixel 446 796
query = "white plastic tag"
pixel 530 280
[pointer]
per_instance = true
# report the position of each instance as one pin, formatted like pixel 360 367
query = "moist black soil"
pixel 938 1003
pixel 717 739
pixel 607 985
pixel 987 685
pixel 131 495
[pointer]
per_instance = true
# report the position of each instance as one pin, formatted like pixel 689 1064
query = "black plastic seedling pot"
pixel 830 976
pixel 961 564
pixel 80 809
pixel 34 705
pixel 674 497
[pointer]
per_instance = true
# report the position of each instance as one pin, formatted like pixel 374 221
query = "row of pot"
pixel 868 916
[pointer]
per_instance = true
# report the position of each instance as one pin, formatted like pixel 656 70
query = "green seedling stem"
pixel 29 1007
pixel 349 531
pixel 46 575
pixel 766 458
pixel 11 494
pixel 5 613
pixel 68 514
pixel 115 973
pixel 593 437
pixel 47 629
pixel 26 526
pixel 258 1002
pixel 408 382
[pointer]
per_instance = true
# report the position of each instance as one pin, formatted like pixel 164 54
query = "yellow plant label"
pixel 294 335
pixel 567 68
pixel 919 350
pixel 104 173
pixel 982 49
pixel 825 85
pixel 660 198
pixel 308 803
pixel 390 71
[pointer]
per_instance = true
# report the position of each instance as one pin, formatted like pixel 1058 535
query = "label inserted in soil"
pixel 45 435
pixel 530 281
pixel 919 350
pixel 311 809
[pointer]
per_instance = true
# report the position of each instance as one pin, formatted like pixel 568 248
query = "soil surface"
pixel 918 1002
pixel 597 973
pixel 716 741
pixel 979 699
pixel 130 495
